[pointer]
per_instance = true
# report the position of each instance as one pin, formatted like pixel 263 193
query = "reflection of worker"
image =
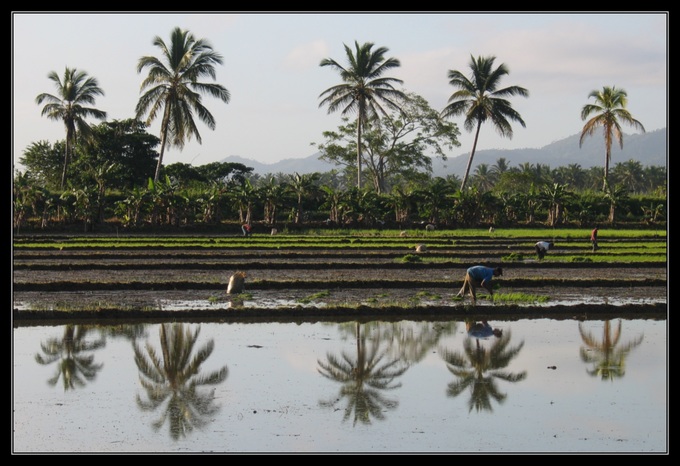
pixel 542 247
pixel 593 238
pixel 478 275
pixel 482 329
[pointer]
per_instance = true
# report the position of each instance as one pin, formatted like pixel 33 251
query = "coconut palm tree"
pixel 363 88
pixel 74 92
pixel 609 112
pixel 630 174
pixel 484 178
pixel 480 99
pixel 501 166
pixel 173 87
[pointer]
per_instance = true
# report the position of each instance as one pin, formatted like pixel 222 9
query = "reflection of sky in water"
pixel 270 399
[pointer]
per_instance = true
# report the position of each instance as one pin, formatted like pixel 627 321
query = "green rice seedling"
pixel 314 297
pixel 519 298
pixel 238 299
pixel 513 257
pixel 428 295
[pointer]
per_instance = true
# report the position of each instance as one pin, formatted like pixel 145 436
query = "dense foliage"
pixel 219 193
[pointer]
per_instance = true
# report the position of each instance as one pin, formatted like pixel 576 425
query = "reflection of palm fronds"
pixel 363 379
pixel 74 368
pixel 478 370
pixel 173 378
pixel 608 358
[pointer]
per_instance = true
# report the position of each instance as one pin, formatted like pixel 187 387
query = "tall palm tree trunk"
pixel 359 156
pixel 63 172
pixel 164 137
pixel 360 125
pixel 472 154
pixel 157 173
pixel 70 140
pixel 606 167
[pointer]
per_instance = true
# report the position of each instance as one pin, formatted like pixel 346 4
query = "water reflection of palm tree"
pixel 608 358
pixel 363 379
pixel 173 378
pixel 479 369
pixel 74 366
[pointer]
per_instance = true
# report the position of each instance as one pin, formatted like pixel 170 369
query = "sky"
pixel 271 69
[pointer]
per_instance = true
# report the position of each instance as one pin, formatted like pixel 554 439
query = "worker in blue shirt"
pixel 479 275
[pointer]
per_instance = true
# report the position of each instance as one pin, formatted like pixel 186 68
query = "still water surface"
pixel 543 386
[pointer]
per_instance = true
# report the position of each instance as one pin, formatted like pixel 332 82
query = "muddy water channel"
pixel 543 385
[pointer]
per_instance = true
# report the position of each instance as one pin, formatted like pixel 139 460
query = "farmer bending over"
pixel 479 275
pixel 542 247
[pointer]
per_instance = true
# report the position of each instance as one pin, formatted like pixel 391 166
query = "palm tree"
pixel 501 166
pixel 610 110
pixel 74 92
pixel 363 88
pixel 630 174
pixel 484 177
pixel 479 99
pixel 655 179
pixel 173 87
pixel 573 175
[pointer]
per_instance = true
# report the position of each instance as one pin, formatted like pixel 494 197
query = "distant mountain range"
pixel 650 149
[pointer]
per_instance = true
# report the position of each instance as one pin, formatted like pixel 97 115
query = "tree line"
pixel 112 173
pixel 224 193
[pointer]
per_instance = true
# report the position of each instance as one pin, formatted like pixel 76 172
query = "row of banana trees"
pixel 301 201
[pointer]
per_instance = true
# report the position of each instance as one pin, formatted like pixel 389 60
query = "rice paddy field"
pixel 343 274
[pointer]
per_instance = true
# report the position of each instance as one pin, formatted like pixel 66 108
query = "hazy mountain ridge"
pixel 650 149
